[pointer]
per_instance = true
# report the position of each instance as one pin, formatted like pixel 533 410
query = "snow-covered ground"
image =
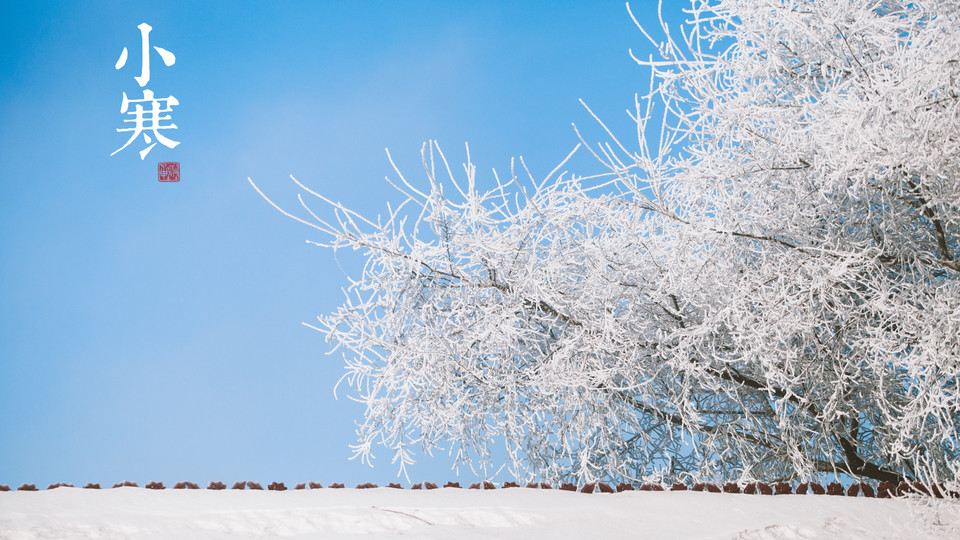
pixel 456 513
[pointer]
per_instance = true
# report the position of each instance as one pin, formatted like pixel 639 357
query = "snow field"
pixel 447 513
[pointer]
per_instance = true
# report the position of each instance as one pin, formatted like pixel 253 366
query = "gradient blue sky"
pixel 151 331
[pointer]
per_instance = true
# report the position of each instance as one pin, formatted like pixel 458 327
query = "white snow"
pixel 65 513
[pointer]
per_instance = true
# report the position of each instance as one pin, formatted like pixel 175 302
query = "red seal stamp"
pixel 168 171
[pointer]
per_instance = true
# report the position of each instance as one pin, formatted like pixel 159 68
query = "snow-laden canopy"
pixel 767 285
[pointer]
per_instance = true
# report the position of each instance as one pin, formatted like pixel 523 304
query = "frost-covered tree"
pixel 767 285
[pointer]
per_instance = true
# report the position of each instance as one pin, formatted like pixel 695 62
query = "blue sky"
pixel 151 331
